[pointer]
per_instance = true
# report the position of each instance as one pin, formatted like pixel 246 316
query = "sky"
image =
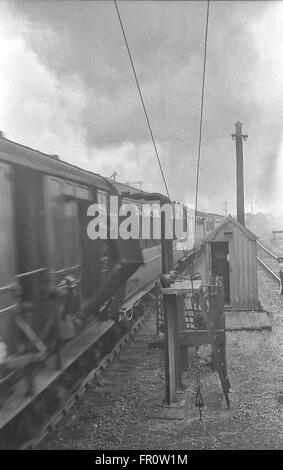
pixel 67 88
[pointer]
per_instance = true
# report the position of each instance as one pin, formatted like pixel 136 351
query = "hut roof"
pixel 230 220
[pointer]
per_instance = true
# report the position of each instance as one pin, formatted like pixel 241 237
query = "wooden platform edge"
pixel 247 321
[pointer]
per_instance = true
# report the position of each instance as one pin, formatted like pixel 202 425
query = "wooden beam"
pixel 217 353
pixel 21 361
pixel 32 336
pixel 199 337
pixel 181 325
pixel 182 288
pixel 170 309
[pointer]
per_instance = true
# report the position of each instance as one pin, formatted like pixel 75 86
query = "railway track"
pixel 268 260
pixel 92 376
pixel 82 386
pixel 86 370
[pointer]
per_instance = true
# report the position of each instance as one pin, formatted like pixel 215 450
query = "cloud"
pixel 69 90
pixel 267 34
pixel 36 107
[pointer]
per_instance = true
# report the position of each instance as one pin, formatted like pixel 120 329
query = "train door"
pixel 8 302
pixel 70 250
pixel 62 228
pixel 220 265
pixel 30 240
pixel 90 249
pixel 64 260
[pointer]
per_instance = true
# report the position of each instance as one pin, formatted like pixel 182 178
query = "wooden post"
pixel 239 137
pixel 213 312
pixel 170 321
pixel 220 324
pixel 209 315
pixel 184 363
pixel 170 306
pixel 172 295
pixel 178 356
pixel 215 309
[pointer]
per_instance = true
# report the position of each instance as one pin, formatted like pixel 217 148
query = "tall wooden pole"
pixel 170 319
pixel 239 137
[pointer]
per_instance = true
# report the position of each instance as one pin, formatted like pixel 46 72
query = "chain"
pixel 199 400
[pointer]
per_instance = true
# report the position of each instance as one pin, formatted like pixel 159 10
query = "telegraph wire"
pixel 199 399
pixel 142 100
pixel 201 117
pixel 147 117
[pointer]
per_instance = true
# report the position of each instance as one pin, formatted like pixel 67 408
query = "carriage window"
pixel 102 197
pixel 62 213
pixel 29 219
pixel 185 220
pixel 6 219
pixel 83 193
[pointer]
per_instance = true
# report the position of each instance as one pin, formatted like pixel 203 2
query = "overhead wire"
pixel 201 117
pixel 142 100
pixel 146 113
pixel 199 399
pixel 147 116
pixel 200 402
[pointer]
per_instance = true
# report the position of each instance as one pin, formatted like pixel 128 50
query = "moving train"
pixel 53 277
pixel 149 273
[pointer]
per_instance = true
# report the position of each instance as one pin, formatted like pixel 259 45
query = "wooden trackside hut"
pixel 231 252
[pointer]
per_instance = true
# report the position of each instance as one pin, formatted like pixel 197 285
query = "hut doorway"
pixel 220 265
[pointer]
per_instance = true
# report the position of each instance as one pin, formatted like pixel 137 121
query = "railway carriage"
pixel 44 243
pixel 57 283
pixel 148 274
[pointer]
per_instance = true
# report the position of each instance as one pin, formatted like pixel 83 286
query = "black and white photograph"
pixel 141 229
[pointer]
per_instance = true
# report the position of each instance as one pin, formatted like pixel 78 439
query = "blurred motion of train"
pixel 45 250
pixel 145 277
